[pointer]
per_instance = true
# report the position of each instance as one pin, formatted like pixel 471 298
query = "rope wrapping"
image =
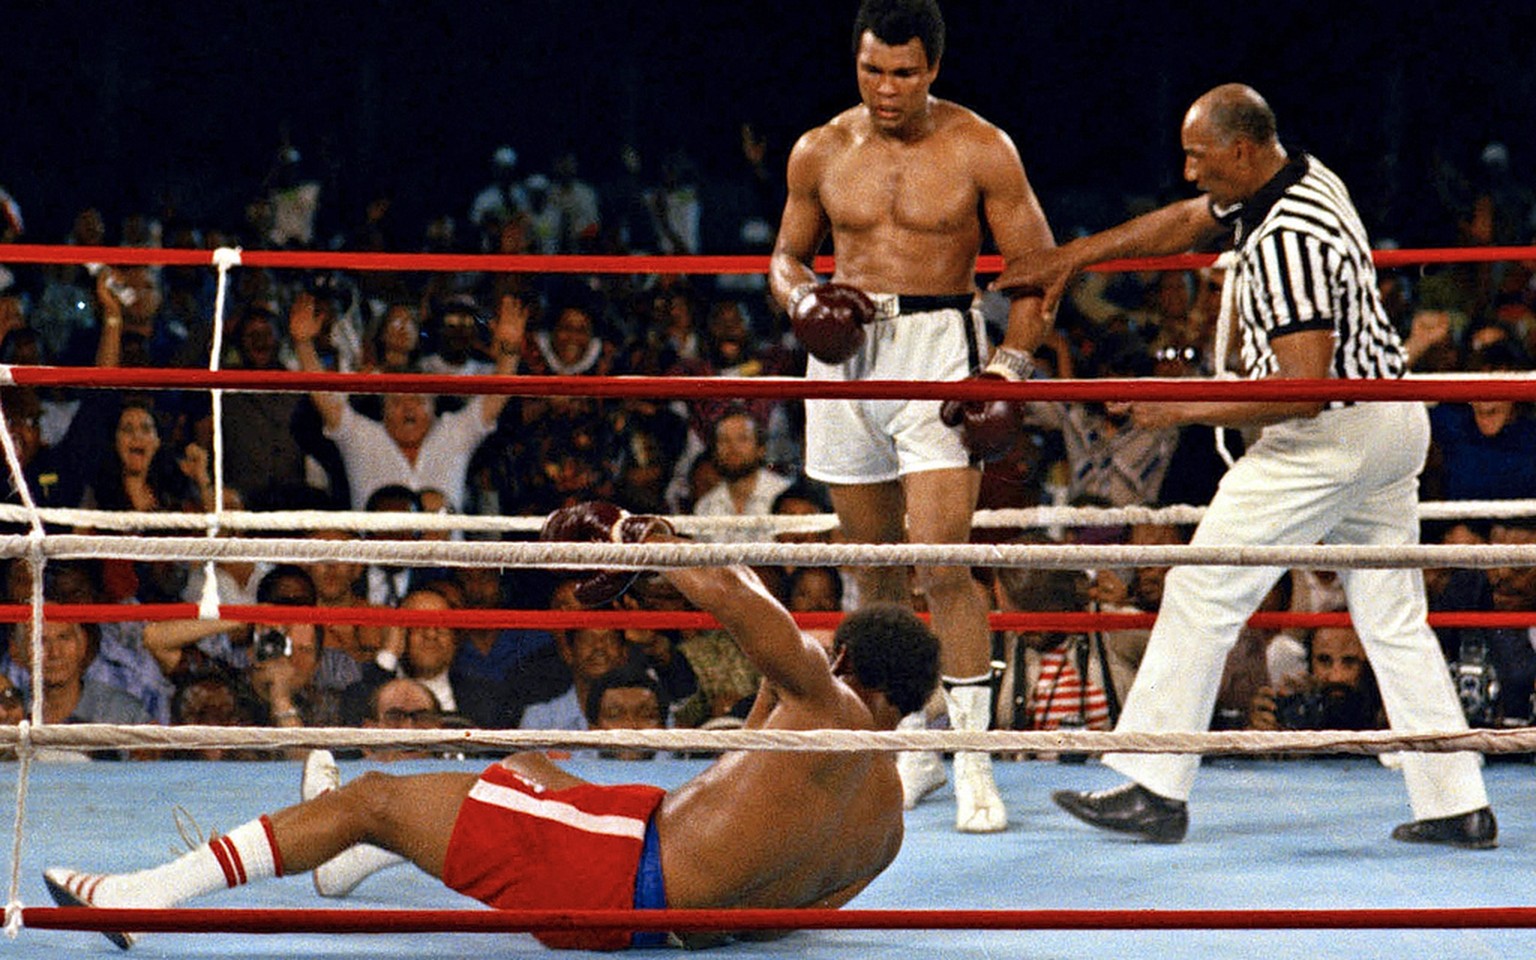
pixel 94 736
pixel 1026 621
pixel 524 921
pixel 659 555
pixel 1507 386
pixel 211 547
pixel 628 264
pixel 762 527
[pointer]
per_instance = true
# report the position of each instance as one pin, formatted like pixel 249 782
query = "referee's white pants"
pixel 1348 476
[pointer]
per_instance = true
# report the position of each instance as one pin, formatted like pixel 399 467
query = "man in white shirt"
pixel 412 446
pixel 748 488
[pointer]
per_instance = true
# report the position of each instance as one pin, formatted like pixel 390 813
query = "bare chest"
pixel 921 189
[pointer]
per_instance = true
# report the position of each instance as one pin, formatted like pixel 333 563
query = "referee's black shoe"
pixel 1131 809
pixel 1475 830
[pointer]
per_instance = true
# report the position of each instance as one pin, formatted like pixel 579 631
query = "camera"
pixel 271 644
pixel 1477 684
pixel 1308 710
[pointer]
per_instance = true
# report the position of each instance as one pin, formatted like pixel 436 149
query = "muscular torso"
pixel 904 214
pixel 778 829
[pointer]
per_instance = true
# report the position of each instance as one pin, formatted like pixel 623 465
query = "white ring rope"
pixel 760 527
pixel 658 555
pixel 38 547
pixel 91 736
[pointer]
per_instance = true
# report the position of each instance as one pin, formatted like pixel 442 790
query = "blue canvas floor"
pixel 1264 834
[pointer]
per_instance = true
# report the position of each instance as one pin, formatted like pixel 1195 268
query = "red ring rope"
pixel 1064 622
pixel 540 263
pixel 778 388
pixel 516 921
pixel 340 921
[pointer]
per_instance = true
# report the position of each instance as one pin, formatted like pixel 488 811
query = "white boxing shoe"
pixel 922 771
pixel 70 888
pixel 341 874
pixel 321 775
pixel 978 806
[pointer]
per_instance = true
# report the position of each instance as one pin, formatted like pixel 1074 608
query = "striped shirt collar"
pixel 1246 215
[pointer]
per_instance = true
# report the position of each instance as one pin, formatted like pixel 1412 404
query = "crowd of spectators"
pixel 526 456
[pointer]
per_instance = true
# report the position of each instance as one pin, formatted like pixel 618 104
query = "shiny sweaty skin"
pixel 749 841
pixel 901 183
pixel 772 829
pixel 898 182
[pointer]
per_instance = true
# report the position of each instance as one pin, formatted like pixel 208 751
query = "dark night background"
pixel 129 105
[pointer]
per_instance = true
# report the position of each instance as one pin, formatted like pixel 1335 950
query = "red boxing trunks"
pixel 516 846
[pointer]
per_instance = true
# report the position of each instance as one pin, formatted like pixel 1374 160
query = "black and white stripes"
pixel 1304 263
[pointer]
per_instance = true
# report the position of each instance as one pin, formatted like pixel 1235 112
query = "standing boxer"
pixel 758 828
pixel 1304 291
pixel 898 181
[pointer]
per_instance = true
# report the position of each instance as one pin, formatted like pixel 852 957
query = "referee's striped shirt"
pixel 1304 263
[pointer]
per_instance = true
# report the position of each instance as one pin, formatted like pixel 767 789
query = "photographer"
pixel 295 680
pixel 1495 668
pixel 628 697
pixel 1338 691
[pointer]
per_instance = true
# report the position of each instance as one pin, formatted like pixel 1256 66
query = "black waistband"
pixel 908 303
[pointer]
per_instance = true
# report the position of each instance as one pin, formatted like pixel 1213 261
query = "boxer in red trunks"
pixel 526 834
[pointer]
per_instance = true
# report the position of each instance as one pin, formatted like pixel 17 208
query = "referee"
pixel 1303 290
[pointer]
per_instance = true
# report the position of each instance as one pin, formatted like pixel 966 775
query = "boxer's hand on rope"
pixel 829 319
pixel 598 521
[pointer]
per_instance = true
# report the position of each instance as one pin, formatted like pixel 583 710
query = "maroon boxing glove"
pixel 989 428
pixel 600 522
pixel 829 319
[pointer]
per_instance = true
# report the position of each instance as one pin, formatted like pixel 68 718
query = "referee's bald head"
pixel 1236 110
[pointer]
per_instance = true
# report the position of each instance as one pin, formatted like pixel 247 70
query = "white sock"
pixel 246 853
pixel 969 701
pixel 338 876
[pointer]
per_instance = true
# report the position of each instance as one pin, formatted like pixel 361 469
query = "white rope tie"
pixel 24 750
pixel 225 258
pixel 36 558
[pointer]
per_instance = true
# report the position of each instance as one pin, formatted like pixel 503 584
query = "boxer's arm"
pixel 804 224
pixel 1018 224
pixel 789 660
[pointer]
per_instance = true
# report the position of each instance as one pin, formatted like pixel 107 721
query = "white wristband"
pixel 1011 364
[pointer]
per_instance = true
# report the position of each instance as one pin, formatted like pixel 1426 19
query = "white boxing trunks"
pixel 930 338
